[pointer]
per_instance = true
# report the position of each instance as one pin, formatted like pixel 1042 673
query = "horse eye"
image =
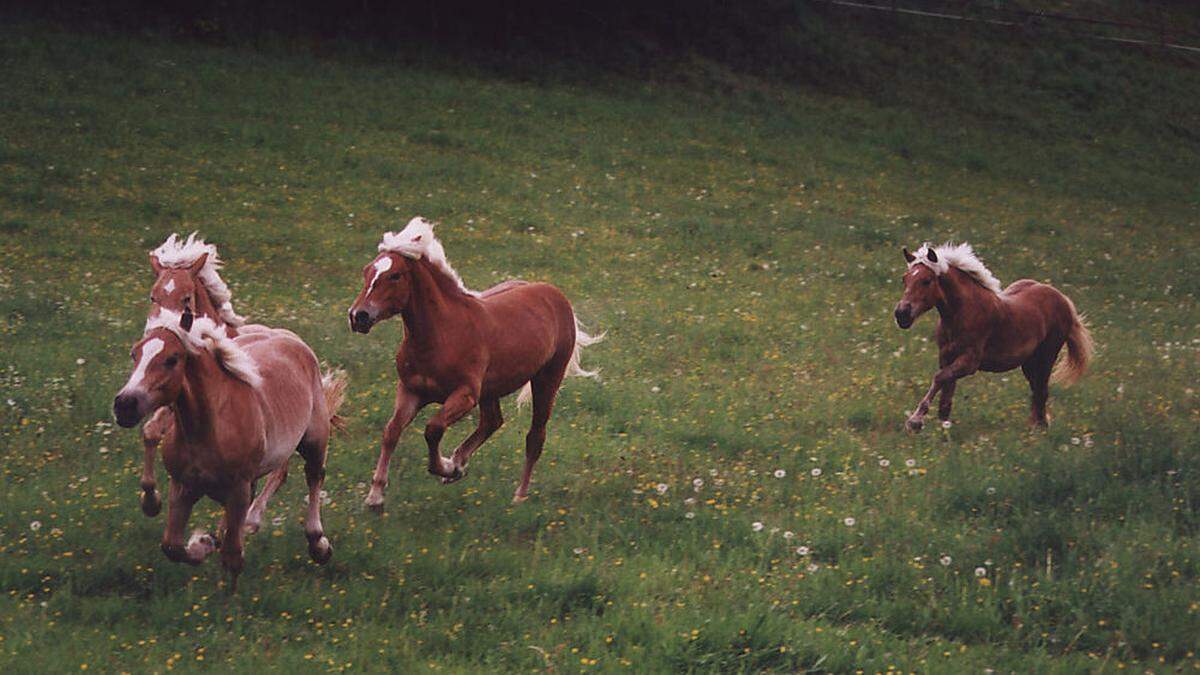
pixel 171 361
pixel 395 277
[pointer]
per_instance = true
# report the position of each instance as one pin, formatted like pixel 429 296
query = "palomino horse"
pixel 240 407
pixel 188 279
pixel 463 349
pixel 985 328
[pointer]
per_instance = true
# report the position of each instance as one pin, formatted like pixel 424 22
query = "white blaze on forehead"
pixel 383 264
pixel 150 349
pixel 170 287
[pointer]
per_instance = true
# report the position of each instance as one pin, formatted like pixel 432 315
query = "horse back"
pixel 290 394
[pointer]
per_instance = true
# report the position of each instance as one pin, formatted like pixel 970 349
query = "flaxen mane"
pixel 204 335
pixel 178 253
pixel 417 241
pixel 962 257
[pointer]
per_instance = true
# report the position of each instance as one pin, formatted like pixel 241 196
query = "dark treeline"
pixel 622 32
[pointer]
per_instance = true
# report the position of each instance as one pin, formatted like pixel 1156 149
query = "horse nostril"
pixel 361 317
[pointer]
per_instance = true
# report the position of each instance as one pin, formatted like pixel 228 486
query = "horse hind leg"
pixel 1037 371
pixel 314 449
pixel 545 387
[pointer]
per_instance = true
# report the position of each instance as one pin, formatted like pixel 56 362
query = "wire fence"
pixel 994 12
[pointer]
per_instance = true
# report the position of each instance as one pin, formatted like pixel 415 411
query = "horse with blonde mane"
pixel 187 278
pixel 239 407
pixel 982 327
pixel 464 349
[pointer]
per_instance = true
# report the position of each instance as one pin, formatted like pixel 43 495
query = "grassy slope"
pixel 656 207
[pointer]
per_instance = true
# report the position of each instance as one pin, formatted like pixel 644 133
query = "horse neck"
pixel 434 300
pixel 204 384
pixel 964 299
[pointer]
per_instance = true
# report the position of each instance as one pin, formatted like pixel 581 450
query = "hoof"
pixel 151 503
pixel 517 499
pixel 459 474
pixel 914 425
pixel 320 550
pixel 374 503
pixel 200 545
pixel 250 528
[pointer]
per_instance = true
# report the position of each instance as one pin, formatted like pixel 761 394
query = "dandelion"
pixel 1075 440
pixel 697 483
pixel 946 424
pixel 885 463
pixel 712 472
pixel 655 389
pixel 816 472
pixel 910 462
pixel 945 560
pixel 756 526
pixel 849 521
pixel 689 501
pixel 80 361
pixel 812 567
pixel 661 488
pixel 578 550
pixel 689 515
pixel 802 550
pixel 788 534
pixel 780 473
pixel 35 525
pixel 278 520
pixel 991 490
pixel 981 571
pixel 1088 442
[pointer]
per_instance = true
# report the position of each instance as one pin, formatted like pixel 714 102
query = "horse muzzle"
pixel 361 321
pixel 127 409
pixel 904 317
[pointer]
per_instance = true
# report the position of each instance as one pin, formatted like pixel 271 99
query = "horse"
pixel 982 327
pixel 239 407
pixel 464 349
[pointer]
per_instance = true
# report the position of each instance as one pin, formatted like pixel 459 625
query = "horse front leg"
pixel 946 402
pixel 961 367
pixel 490 420
pixel 153 432
pixel 407 405
pixel 180 501
pixel 259 507
pixel 456 406
pixel 237 503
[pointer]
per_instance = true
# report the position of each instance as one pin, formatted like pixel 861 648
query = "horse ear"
pixel 932 255
pixel 155 265
pixel 199 264
pixel 908 257
pixel 185 321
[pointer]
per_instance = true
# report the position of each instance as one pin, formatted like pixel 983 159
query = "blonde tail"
pixel 333 385
pixel 1079 352
pixel 574 369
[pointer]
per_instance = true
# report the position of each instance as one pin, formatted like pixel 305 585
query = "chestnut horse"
pixel 463 349
pixel 985 328
pixel 187 278
pixel 240 407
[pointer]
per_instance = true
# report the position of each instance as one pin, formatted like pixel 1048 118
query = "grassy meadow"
pixel 738 241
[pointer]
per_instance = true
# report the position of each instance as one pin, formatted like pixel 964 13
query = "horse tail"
pixel 333 387
pixel 1079 351
pixel 574 369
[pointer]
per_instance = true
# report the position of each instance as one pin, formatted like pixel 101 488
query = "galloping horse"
pixel 462 348
pixel 187 278
pixel 985 328
pixel 239 407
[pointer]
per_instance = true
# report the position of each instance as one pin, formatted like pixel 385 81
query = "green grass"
pixel 739 242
